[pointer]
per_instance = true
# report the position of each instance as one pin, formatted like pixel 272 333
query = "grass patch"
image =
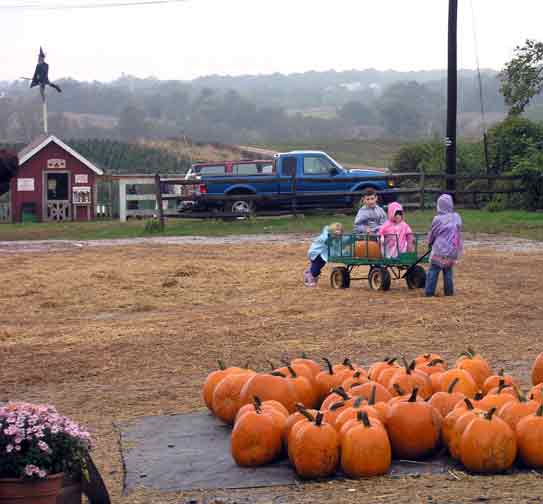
pixel 514 223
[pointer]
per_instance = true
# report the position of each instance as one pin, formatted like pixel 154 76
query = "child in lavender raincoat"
pixel 445 238
pixel 395 234
pixel 318 253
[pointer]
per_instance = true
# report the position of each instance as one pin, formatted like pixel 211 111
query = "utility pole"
pixel 452 83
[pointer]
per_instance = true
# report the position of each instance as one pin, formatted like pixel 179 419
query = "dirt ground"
pixel 109 334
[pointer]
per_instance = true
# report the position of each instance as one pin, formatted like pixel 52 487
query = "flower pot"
pixel 21 491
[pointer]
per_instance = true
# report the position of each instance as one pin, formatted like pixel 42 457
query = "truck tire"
pixel 239 205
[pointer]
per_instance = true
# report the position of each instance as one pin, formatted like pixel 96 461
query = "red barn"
pixel 53 183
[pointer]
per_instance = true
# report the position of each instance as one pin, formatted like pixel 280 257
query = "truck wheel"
pixel 416 278
pixel 340 278
pixel 239 206
pixel 379 278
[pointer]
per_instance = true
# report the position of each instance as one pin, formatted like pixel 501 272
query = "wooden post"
pixel 421 182
pixel 159 201
pixel 122 200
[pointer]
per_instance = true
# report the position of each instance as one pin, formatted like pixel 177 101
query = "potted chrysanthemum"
pixel 38 449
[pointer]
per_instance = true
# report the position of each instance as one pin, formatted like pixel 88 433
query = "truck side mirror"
pixel 334 171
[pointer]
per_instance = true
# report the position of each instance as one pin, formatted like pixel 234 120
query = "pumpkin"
pixel 444 402
pixel 332 413
pixel 350 413
pixel 497 398
pixel 427 358
pixel 488 444
pixel 266 406
pixel 299 369
pixel 268 386
pixel 494 381
pixel 402 396
pixel 413 427
pixel 338 394
pixel 386 374
pixel 305 392
pixel 366 390
pixel 327 380
pixel 536 393
pixel 226 396
pixel 346 365
pixel 432 367
pixel 365 449
pixel 213 380
pixel 530 439
pixel 537 370
pixel 377 367
pixel 466 384
pixel 311 364
pixel 435 381
pixel 256 438
pixel 302 415
pixel 408 378
pixel 357 378
pixel 513 411
pixel 367 249
pixel 314 448
pixel 459 427
pixel 450 420
pixel 475 365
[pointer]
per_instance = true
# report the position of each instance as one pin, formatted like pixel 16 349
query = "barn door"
pixel 57 196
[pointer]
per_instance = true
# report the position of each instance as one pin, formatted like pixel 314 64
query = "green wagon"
pixel 345 250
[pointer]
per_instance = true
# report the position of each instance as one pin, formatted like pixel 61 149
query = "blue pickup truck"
pixel 319 180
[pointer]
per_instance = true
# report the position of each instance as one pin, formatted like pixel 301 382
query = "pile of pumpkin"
pixel 367 417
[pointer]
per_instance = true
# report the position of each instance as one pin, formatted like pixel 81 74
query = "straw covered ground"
pixel 114 333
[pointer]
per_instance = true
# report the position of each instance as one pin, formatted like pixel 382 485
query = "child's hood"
pixel 445 204
pixel 392 209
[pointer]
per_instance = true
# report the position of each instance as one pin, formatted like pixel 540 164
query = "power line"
pixel 130 3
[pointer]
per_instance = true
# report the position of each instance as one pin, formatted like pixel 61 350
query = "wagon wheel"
pixel 340 278
pixel 379 278
pixel 416 277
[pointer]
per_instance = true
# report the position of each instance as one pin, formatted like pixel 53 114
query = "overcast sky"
pixel 190 38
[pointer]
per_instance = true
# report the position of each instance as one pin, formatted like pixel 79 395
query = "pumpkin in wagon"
pixel 370 249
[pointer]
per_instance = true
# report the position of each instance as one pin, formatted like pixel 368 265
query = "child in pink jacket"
pixel 395 233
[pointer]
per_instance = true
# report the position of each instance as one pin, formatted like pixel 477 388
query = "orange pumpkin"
pixel 427 358
pixel 327 380
pixel 536 393
pixel 299 369
pixel 488 444
pixel 444 402
pixel 459 427
pixel 475 365
pixel 226 396
pixel 302 415
pixel 367 249
pixel 513 411
pixel 365 449
pixel 377 367
pixel 357 378
pixel 450 420
pixel 311 364
pixel 314 449
pixel 213 380
pixel 268 386
pixel 305 392
pixel 266 406
pixel 494 381
pixel 351 413
pixel 466 384
pixel 338 394
pixel 366 390
pixel 413 428
pixel 409 378
pixel 256 438
pixel 432 367
pixel 332 413
pixel 530 439
pixel 497 398
pixel 537 370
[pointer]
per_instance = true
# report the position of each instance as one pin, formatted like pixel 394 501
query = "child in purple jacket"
pixel 445 238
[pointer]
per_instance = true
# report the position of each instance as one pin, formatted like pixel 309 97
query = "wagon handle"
pixel 414 264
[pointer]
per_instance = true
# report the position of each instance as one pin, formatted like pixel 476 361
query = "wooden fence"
pixel 414 190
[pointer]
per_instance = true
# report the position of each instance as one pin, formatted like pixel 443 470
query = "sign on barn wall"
pixel 55 164
pixel 25 184
pixel 81 179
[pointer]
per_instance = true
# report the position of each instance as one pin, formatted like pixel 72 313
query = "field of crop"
pixel 110 334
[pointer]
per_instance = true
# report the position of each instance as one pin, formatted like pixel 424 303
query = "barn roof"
pixel 43 141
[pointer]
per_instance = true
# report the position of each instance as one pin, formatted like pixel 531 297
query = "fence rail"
pixel 413 187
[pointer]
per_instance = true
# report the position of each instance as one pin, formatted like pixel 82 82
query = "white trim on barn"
pixel 62 145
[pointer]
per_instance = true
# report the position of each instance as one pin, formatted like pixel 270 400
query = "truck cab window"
pixel 289 166
pixel 317 166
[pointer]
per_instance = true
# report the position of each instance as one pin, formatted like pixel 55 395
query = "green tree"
pixel 132 123
pixel 522 77
pixel 358 113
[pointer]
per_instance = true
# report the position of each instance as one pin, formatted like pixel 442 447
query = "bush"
pixel 152 226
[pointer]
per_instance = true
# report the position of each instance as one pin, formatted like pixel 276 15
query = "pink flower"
pixel 43 446
pixel 9 448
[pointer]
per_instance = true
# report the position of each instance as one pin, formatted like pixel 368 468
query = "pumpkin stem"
pixel 521 397
pixel 373 393
pixel 391 361
pixel 278 373
pixel 318 420
pixel 301 409
pixel 501 372
pixel 336 406
pixel 478 396
pixel 358 402
pixel 347 362
pixel 413 396
pixel 362 416
pixel 469 404
pixel 292 372
pixel 501 385
pixel 412 366
pixel 257 403
pixel 222 367
pixel 271 364
pixel 452 385
pixel 469 353
pixel 357 374
pixel 435 362
pixel 490 413
pixel 340 391
pixel 329 364
pixel 406 365
pixel 539 411
pixel 399 390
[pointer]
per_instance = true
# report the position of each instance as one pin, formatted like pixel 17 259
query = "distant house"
pixel 53 183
